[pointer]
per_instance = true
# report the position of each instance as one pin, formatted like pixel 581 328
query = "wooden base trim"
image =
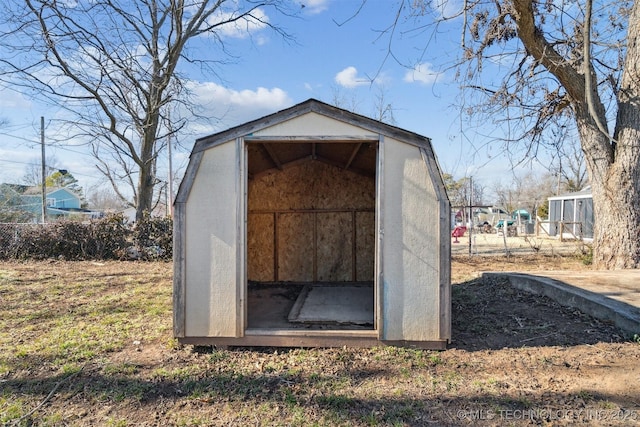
pixel 287 339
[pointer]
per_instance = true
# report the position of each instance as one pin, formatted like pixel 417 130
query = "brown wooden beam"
pixel 272 155
pixel 275 246
pixel 329 210
pixel 353 155
pixel 354 248
pixel 315 246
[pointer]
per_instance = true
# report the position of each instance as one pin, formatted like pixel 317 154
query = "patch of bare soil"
pixel 515 359
pixel 491 314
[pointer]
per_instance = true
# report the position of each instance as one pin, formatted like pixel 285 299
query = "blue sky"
pixel 336 54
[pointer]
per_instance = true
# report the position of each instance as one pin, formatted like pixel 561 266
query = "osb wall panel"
pixel 335 247
pixel 311 185
pixel 295 247
pixel 365 245
pixel 260 247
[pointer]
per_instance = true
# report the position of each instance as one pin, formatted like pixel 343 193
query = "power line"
pixel 20 138
pixel 29 164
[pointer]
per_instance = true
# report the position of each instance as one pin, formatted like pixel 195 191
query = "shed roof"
pixel 582 194
pixel 267 153
pixel 315 106
pixel 355 154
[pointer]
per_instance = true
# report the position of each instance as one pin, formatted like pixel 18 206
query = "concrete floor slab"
pixel 268 307
pixel 335 304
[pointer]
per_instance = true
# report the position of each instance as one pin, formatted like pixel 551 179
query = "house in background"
pixel 575 212
pixel 11 203
pixel 61 202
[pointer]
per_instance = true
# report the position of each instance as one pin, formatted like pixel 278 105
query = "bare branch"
pixel 112 65
pixel 588 70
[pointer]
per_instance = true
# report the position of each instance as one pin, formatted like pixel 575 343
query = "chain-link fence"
pixel 111 238
pixel 530 238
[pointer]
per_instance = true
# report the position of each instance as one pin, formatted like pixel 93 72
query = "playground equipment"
pixel 458 231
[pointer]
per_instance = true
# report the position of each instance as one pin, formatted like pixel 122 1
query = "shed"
pixel 574 211
pixel 312 226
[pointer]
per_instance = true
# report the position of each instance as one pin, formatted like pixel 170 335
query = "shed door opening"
pixel 311 235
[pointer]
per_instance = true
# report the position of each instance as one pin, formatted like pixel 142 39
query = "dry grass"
pixel 86 343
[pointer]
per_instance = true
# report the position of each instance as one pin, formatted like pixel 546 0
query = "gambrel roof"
pixel 354 153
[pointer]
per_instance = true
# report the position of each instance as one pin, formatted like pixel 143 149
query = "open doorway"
pixel 311 234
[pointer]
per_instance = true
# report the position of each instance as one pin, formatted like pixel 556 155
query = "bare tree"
pixel 529 191
pixel 33 171
pixel 461 190
pixel 104 199
pixel 572 170
pixel 383 109
pixel 114 66
pixel 343 100
pixel 537 66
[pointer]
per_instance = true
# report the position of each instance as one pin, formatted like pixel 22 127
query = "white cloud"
pixel 315 6
pixel 233 107
pixel 448 9
pixel 11 100
pixel 423 73
pixel 241 28
pixel 349 78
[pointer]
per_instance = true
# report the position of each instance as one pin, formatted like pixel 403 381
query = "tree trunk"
pixel 146 180
pixel 616 194
pixel 145 190
pixel 613 165
pixel 616 200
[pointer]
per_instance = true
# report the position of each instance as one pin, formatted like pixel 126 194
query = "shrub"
pixel 153 237
pixel 106 238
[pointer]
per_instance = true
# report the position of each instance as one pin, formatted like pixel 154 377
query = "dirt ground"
pixel 515 359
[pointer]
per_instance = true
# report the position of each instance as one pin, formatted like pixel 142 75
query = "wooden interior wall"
pixel 311 222
pixel 365 244
pixel 261 247
pixel 294 247
pixel 335 248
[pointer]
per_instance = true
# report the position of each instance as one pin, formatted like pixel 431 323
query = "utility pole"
pixel 470 213
pixel 170 178
pixel 170 174
pixel 44 177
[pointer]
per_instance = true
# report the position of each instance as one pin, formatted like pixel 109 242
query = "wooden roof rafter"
pixel 272 155
pixel 354 153
pixel 346 152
